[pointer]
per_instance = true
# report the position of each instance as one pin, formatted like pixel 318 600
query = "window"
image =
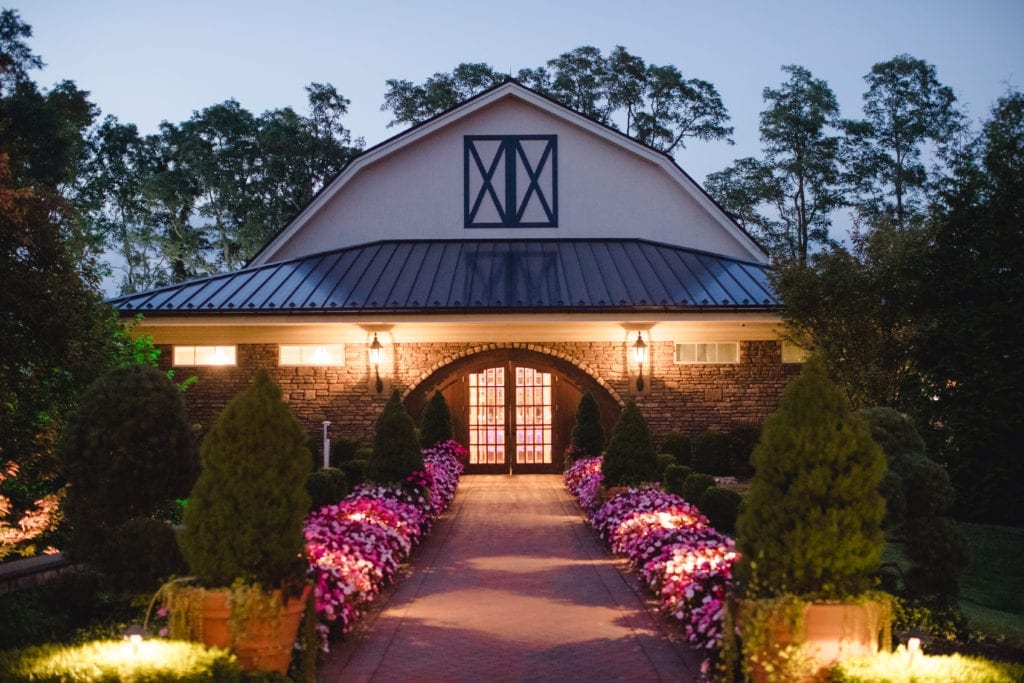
pixel 791 353
pixel 312 354
pixel 710 352
pixel 204 355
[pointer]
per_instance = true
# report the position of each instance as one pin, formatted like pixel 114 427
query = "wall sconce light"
pixel 640 355
pixel 376 356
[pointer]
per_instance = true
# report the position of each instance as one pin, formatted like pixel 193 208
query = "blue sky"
pixel 147 61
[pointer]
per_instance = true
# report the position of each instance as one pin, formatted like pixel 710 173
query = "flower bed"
pixel 355 547
pixel 668 543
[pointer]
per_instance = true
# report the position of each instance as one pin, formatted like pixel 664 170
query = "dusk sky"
pixel 145 62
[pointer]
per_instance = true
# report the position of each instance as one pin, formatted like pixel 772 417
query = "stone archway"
pixel 531 400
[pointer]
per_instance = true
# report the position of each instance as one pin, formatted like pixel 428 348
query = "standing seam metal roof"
pixel 475 276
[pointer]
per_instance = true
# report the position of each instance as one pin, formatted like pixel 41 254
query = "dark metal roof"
pixel 475 276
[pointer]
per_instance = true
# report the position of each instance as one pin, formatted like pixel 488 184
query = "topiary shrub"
pixel 721 507
pixel 918 492
pixel 674 477
pixel 396 450
pixel 355 471
pixel 326 487
pixel 711 453
pixel 743 438
pixel 695 486
pixel 664 460
pixel 939 552
pixel 128 449
pixel 436 422
pixel 587 433
pixel 811 524
pixel 245 514
pixel 926 487
pixel 679 445
pixel 630 457
pixel 141 554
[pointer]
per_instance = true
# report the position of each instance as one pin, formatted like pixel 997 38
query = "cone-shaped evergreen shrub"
pixel 587 433
pixel 436 422
pixel 396 450
pixel 128 450
pixel 630 457
pixel 811 525
pixel 244 515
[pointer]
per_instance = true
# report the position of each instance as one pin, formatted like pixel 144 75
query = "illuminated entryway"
pixel 510 417
pixel 513 408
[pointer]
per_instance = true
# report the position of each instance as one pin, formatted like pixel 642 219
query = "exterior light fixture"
pixel 640 355
pixel 133 636
pixel 376 354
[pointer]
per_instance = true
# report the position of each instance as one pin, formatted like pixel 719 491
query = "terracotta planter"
pixel 827 633
pixel 260 643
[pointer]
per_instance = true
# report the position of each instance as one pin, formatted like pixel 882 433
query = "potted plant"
pixel 810 536
pixel 243 538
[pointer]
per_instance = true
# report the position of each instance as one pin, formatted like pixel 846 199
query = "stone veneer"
pixel 685 398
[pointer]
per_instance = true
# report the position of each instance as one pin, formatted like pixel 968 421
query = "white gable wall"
pixel 605 189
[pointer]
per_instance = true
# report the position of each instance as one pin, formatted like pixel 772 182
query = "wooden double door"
pixel 514 417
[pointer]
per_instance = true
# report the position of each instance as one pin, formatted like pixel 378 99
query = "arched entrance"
pixel 513 408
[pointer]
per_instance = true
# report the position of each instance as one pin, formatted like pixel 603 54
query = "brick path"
pixel 512 585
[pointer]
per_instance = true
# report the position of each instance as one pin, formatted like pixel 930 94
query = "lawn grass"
pixel 992 588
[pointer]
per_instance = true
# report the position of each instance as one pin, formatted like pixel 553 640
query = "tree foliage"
pixel 57 337
pixel 245 513
pixel 811 525
pixel 654 104
pixel 203 195
pixel 630 457
pixel 787 197
pixel 906 108
pixel 974 274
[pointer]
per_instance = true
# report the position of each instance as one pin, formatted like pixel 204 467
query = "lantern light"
pixel 640 355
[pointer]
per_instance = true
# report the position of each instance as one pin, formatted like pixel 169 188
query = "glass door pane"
pixel 533 416
pixel 487 417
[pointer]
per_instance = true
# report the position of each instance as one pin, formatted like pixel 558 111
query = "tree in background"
pixel 969 352
pixel 57 337
pixel 858 310
pixel 659 106
pixel 786 198
pixel 204 195
pixel 906 109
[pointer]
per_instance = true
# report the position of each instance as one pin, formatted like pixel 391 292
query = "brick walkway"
pixel 512 585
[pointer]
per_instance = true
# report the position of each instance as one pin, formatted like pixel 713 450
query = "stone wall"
pixel 686 398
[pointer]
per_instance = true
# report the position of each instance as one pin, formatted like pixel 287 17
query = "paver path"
pixel 512 585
